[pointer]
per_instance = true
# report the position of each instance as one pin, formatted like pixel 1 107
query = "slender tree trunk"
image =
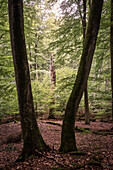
pixel 87 114
pixel 30 65
pixel 111 50
pixel 52 87
pixel 33 141
pixel 68 142
pixel 36 72
pixel 83 18
pixel 89 3
pixel 36 59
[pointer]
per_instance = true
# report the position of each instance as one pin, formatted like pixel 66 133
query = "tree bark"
pixel 52 87
pixel 111 50
pixel 89 3
pixel 87 114
pixel 32 139
pixel 86 103
pixel 68 142
pixel 35 57
pixel 83 18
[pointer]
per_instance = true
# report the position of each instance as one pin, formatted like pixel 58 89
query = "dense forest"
pixel 56 68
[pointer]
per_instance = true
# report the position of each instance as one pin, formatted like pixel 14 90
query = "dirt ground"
pixel 94 143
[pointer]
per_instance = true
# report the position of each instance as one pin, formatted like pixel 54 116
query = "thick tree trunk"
pixel 33 141
pixel 111 49
pixel 68 142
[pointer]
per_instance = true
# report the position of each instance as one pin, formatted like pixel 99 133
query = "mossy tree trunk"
pixel 68 142
pixel 32 139
pixel 111 50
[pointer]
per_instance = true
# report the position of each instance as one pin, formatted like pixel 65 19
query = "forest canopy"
pixel 61 37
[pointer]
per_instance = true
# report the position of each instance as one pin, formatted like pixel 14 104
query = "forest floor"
pixel 94 143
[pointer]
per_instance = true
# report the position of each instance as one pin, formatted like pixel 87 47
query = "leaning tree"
pixel 68 142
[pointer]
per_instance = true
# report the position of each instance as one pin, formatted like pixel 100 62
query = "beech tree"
pixel 32 139
pixel 68 142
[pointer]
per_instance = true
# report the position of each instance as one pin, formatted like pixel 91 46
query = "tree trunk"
pixel 111 50
pixel 68 142
pixel 35 65
pixel 83 18
pixel 87 114
pixel 30 65
pixel 52 87
pixel 89 3
pixel 33 141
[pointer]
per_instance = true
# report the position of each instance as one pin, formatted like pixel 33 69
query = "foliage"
pixel 8 97
pixel 63 37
